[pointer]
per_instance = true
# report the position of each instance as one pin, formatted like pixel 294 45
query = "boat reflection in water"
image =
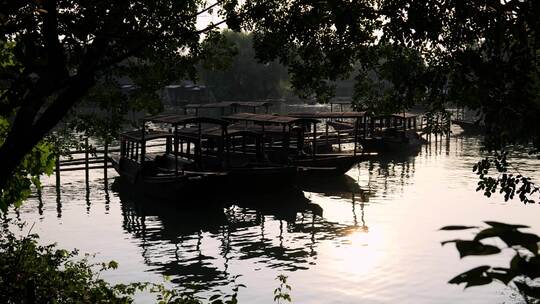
pixel 196 245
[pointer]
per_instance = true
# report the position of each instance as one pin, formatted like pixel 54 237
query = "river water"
pixel 377 240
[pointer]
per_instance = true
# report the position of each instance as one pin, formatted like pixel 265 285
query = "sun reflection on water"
pixel 361 253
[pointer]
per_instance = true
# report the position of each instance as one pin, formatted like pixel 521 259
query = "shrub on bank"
pixel 32 273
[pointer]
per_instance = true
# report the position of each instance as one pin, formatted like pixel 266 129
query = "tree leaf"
pixel 525 240
pixel 467 248
pixel 490 232
pixel 504 225
pixel 457 227
pixel 474 277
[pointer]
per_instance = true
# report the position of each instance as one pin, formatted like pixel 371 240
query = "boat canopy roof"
pixel 178 119
pixel 232 130
pixel 252 103
pixel 226 104
pixel 268 118
pixel 320 115
pixel 208 105
pixel 341 101
pixel 267 129
pixel 205 132
pixel 405 115
pixel 137 136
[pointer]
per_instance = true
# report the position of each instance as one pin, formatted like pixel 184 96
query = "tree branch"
pixel 159 36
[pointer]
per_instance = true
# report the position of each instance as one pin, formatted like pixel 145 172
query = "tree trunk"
pixel 21 138
pixel 12 153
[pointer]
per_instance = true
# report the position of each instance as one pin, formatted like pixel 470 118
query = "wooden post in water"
pixel 143 144
pixel 105 160
pixel 364 125
pixel 57 165
pixel 176 150
pixel 339 140
pixel 86 159
pixel 326 133
pixel 314 139
pixel 356 135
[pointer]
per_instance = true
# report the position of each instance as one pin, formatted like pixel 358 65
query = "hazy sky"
pixel 204 19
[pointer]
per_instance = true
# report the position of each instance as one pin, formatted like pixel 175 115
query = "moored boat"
pixel 197 156
pixel 394 133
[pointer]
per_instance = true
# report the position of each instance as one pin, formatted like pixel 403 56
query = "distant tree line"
pixel 243 77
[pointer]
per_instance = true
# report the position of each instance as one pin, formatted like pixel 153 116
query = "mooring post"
pixel 176 150
pixel 105 159
pixel 314 139
pixel 58 199
pixel 339 140
pixel 57 165
pixel 86 169
pixel 356 124
pixel 326 133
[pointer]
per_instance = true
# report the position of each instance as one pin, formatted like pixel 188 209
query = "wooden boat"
pixel 194 157
pixel 393 133
pixel 170 166
pixel 327 164
pixel 468 120
pixel 248 165
pixel 285 141
pixel 320 157
pixel 469 127
pixel 341 126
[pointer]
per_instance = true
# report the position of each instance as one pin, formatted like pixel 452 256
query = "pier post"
pixel 58 199
pixel 57 169
pixel 314 139
pixel 339 140
pixel 176 150
pixel 105 159
pixel 326 133
pixel 86 159
pixel 356 124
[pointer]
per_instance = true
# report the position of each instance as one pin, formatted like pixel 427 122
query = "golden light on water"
pixel 361 251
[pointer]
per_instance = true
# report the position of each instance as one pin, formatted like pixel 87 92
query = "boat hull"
pixel 469 127
pixel 260 178
pixel 327 164
pixel 410 142
pixel 169 186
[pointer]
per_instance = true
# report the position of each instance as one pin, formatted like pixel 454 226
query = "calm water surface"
pixel 377 240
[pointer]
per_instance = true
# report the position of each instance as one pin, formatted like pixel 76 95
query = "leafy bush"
pixel 281 293
pixel 32 273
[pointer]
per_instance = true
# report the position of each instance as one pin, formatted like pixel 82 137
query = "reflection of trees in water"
pixel 390 172
pixel 387 172
pixel 276 230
